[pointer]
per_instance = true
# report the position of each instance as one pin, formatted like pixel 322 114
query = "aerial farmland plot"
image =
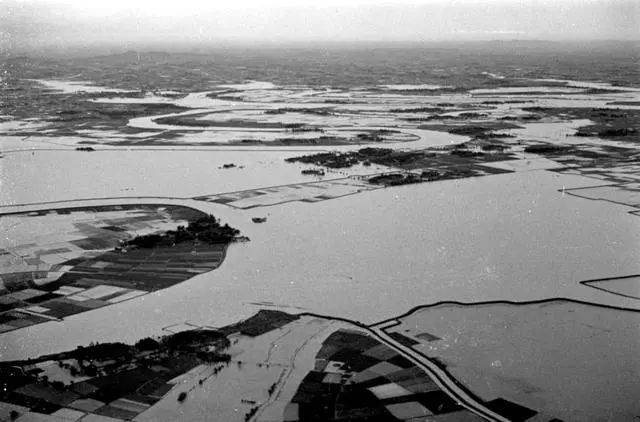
pixel 78 261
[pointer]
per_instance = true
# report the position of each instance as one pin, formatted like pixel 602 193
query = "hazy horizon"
pixel 42 25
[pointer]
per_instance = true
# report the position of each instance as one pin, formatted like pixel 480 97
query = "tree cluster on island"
pixel 396 179
pixel 417 110
pixel 206 229
pixel 382 156
pixel 323 111
pixel 607 132
pixel 314 172
pixel 547 149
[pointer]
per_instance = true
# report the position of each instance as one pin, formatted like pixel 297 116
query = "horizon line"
pixel 185 46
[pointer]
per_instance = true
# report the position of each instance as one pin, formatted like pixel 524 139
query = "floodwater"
pixel 515 90
pixel 407 87
pixel 498 350
pixel 376 254
pixel 37 176
pixel 368 256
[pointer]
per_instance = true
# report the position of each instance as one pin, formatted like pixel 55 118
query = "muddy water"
pixel 376 254
pixel 367 257
pixel 39 176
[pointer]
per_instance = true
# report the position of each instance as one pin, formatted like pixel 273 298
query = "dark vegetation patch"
pixel 600 91
pixel 327 159
pixel 324 111
pixel 471 129
pixel 470 115
pixel 610 132
pixel 496 102
pixel 548 149
pixel 418 110
pixel 436 164
pixel 395 179
pixel 625 103
pixel 374 135
pixel 426 92
pixel 494 147
pixel 313 172
pixel 205 229
pixel 350 339
pixel 366 156
pixel 478 130
pixel 320 140
pixel 262 322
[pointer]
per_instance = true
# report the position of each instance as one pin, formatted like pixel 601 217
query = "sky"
pixel 38 24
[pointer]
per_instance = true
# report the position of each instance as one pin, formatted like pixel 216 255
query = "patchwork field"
pixel 305 192
pixel 357 377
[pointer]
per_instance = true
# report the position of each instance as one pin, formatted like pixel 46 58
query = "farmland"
pixel 88 259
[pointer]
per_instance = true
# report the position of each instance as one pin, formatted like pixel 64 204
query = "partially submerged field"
pixel 89 257
pixel 509 356
pixel 271 366
pixel 566 359
pixel 117 381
